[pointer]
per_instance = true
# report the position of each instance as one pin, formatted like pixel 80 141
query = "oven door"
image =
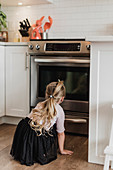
pixel 73 71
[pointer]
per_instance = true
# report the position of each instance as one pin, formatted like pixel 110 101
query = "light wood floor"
pixel 77 161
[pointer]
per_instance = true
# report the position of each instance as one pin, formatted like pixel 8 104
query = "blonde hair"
pixel 47 111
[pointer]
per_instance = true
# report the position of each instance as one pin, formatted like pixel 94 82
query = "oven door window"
pixel 76 80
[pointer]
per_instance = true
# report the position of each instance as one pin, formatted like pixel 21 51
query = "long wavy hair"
pixel 42 116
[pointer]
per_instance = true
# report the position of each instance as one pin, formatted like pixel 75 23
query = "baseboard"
pixel 10 120
pixel 1 120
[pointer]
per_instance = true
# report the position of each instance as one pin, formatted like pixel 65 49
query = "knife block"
pixel 25 39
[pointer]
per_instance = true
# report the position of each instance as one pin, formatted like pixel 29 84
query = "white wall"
pixel 71 18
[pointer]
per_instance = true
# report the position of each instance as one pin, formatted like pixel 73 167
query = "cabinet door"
pixel 101 100
pixel 2 81
pixel 17 81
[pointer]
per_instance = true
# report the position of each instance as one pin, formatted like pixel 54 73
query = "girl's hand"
pixel 66 152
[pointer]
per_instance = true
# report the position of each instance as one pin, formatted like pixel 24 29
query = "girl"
pixel 36 136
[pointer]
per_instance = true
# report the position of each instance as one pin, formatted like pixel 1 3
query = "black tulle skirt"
pixel 28 148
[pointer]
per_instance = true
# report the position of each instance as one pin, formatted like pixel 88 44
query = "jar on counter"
pixel 4 36
pixel 17 37
pixel 1 37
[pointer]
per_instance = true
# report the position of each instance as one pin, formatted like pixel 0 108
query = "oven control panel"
pixel 63 46
pixel 57 47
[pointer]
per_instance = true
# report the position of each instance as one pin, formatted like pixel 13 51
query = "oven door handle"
pixel 77 120
pixel 51 60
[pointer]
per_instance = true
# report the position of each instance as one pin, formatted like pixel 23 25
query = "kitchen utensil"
pixel 21 25
pixel 47 25
pixel 28 23
pixel 38 29
pixel 39 22
pixel 25 24
pixel 35 33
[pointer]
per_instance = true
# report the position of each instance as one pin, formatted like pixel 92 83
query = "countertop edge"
pixel 100 38
pixel 13 43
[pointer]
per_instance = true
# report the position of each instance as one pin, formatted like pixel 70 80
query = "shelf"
pixel 12 3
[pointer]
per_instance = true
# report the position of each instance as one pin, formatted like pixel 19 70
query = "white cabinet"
pixel 2 81
pixel 17 81
pixel 101 99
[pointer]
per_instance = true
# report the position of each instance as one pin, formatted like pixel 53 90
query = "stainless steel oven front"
pixel 73 69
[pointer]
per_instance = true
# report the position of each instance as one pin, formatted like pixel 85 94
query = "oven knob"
pixel 37 47
pixel 31 46
pixel 88 47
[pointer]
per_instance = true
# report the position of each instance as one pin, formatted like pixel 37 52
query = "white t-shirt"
pixel 58 119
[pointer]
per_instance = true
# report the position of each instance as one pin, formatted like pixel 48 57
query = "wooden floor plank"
pixel 77 161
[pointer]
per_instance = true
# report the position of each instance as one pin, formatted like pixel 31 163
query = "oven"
pixel 53 60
